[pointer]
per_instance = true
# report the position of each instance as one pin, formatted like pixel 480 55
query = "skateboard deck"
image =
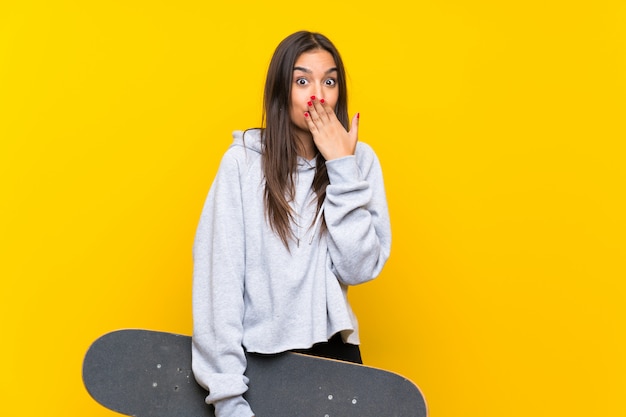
pixel 146 373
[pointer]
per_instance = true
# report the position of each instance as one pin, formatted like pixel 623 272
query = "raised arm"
pixel 357 216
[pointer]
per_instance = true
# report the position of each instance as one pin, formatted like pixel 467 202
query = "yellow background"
pixel 500 127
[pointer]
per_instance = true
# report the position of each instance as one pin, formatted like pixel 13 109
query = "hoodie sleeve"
pixel 218 359
pixel 357 217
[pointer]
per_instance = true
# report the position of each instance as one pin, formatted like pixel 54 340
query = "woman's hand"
pixel 329 135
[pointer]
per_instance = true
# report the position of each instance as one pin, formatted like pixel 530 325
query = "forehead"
pixel 318 60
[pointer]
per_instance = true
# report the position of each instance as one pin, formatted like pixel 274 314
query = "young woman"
pixel 296 214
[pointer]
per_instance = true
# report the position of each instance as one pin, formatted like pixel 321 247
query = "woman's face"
pixel 314 74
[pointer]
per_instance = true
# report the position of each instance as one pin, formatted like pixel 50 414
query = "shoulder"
pixel 245 150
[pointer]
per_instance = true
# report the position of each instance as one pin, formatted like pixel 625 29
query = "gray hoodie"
pixel 251 292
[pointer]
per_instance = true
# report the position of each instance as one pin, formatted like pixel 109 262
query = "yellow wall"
pixel 500 126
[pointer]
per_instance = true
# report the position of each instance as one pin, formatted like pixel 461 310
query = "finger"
pixel 355 122
pixel 314 113
pixel 328 110
pixel 354 128
pixel 310 123
pixel 321 108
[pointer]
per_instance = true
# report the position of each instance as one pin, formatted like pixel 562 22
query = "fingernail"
pixel 358 115
pixel 322 100
pixel 306 114
pixel 312 97
pixel 309 104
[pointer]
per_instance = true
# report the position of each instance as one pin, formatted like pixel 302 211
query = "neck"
pixel 306 146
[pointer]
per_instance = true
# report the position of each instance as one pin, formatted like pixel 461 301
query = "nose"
pixel 316 91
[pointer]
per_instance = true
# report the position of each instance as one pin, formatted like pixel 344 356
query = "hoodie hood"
pixel 249 139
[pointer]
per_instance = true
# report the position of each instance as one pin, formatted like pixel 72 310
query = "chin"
pixel 300 128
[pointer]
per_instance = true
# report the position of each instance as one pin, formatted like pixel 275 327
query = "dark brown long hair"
pixel 278 138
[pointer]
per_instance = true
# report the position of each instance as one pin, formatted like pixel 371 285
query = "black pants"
pixel 335 348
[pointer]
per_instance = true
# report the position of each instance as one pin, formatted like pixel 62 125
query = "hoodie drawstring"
pixel 317 220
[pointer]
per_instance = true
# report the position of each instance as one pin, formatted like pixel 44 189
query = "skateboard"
pixel 146 373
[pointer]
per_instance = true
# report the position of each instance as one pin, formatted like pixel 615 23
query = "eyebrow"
pixel 308 71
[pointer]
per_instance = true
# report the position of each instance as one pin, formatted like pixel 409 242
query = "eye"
pixel 301 81
pixel 331 82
